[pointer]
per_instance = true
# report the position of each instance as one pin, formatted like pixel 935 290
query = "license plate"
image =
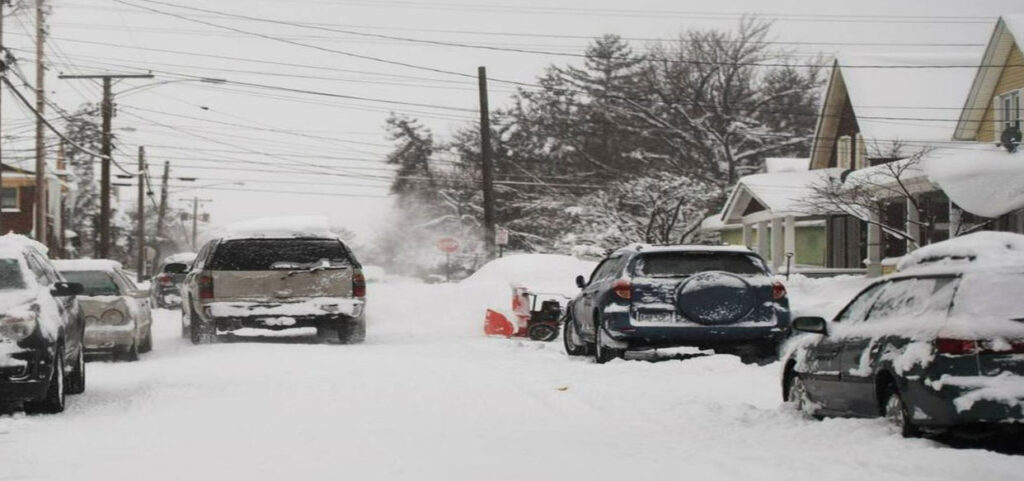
pixel 656 317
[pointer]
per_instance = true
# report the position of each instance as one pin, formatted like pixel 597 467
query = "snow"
pixel 781 193
pixel 316 306
pixel 821 297
pixel 292 226
pixel 981 250
pixel 102 265
pixel 773 165
pixel 181 257
pixel 428 397
pixel 982 179
pixel 16 241
pixel 1005 389
pixel 910 104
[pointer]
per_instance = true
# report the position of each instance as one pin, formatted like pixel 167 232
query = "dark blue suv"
pixel 710 297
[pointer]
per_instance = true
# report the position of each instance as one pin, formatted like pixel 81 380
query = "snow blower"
pixel 539 323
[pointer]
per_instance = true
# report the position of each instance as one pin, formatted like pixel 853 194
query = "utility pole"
pixel 487 167
pixel 3 72
pixel 107 111
pixel 40 214
pixel 163 201
pixel 140 262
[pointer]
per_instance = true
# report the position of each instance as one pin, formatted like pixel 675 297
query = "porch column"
pixel 956 219
pixel 913 228
pixel 777 243
pixel 762 238
pixel 874 247
pixel 790 238
pixel 748 236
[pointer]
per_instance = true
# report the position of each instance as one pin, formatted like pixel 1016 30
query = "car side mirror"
pixel 176 268
pixel 813 325
pixel 66 289
pixel 581 282
pixel 141 294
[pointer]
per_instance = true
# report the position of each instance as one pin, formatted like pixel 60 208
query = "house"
pixel 18 199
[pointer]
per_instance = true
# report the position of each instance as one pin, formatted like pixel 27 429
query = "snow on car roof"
pixel 978 250
pixel 181 257
pixel 17 242
pixel 686 248
pixel 105 265
pixel 280 227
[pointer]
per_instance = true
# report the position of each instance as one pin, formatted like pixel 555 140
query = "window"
pixel 1007 112
pixel 913 298
pixel 10 275
pixel 284 254
pixel 96 283
pixel 983 297
pixel 679 264
pixel 9 198
pixel 858 309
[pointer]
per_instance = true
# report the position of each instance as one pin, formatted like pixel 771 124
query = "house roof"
pixel 982 179
pixel 779 193
pixel 1009 31
pixel 907 97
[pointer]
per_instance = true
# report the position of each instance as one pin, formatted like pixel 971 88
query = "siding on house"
pixel 810 244
pixel 20 222
pixel 1012 78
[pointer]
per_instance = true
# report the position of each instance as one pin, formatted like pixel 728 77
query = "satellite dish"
pixel 1010 139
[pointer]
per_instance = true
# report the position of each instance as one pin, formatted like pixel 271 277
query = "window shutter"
pixel 843 157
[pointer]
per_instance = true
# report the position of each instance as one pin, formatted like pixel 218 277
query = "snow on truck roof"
pixel 104 265
pixel 280 227
pixel 980 250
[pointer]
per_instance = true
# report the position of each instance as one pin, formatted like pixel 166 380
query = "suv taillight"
pixel 358 284
pixel 164 279
pixel 623 288
pixel 955 347
pixel 778 290
pixel 205 286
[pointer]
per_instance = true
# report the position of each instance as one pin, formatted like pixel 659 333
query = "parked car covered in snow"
pixel 272 277
pixel 645 297
pixel 117 315
pixel 937 346
pixel 42 357
pixel 166 286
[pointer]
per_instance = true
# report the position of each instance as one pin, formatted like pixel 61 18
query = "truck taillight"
pixel 205 286
pixel 164 279
pixel 358 284
pixel 623 289
pixel 778 290
pixel 955 347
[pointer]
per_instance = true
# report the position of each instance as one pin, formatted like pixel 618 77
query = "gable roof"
pixel 1009 31
pixel 780 193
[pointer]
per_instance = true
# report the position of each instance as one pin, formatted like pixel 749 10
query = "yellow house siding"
pixel 1012 78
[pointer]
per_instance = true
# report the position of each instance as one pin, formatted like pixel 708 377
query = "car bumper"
pixel 25 376
pixel 322 312
pixel 105 338
pixel 944 404
pixel 624 329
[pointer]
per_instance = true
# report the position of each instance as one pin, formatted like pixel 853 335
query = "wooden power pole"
pixel 3 72
pixel 162 211
pixel 487 167
pixel 40 203
pixel 107 111
pixel 140 262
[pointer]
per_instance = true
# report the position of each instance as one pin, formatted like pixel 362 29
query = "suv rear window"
pixel 10 275
pixel 681 264
pixel 283 254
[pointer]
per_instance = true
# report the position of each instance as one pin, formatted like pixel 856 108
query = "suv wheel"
pixel 76 381
pixel 602 353
pixel 55 395
pixel 197 331
pixel 574 345
pixel 896 412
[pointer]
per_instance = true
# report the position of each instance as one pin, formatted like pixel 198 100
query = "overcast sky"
pixel 225 134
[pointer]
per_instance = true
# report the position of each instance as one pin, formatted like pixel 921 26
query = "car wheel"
pixel 76 381
pixel 574 345
pixel 897 414
pixel 131 353
pixel 55 395
pixel 797 395
pixel 196 331
pixel 602 353
pixel 147 341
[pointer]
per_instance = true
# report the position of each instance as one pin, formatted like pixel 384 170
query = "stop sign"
pixel 448 245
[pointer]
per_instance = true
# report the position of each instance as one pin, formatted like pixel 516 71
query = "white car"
pixel 117 312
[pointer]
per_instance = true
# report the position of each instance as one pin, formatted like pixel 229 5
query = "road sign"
pixel 448 245
pixel 501 236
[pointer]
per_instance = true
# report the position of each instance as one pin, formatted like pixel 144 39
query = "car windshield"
pixel 987 296
pixel 10 275
pixel 95 283
pixel 681 264
pixel 279 254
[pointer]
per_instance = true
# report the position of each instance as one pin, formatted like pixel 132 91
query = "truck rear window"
pixel 681 264
pixel 278 254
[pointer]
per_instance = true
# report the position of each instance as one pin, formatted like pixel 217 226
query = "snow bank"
pixel 538 272
pixel 103 265
pixel 821 297
pixel 981 249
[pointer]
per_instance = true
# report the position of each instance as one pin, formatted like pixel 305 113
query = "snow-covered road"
pixel 428 398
